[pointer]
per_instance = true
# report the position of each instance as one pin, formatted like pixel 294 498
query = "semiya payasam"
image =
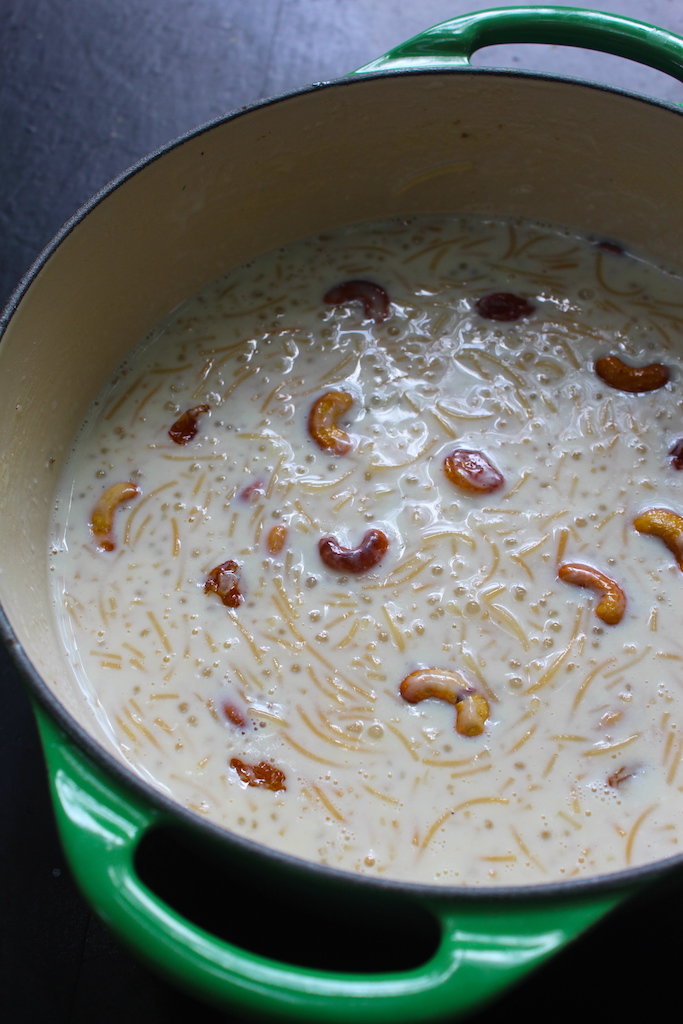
pixel 366 479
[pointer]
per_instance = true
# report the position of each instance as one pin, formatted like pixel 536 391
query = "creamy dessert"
pixel 372 553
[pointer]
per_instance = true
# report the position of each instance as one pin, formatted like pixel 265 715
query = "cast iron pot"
pixel 417 131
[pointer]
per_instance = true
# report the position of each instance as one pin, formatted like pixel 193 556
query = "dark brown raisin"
pixel 613 247
pixel 472 472
pixel 233 714
pixel 261 774
pixel 251 490
pixel 503 306
pixel 619 776
pixel 186 426
pixel 224 580
pixel 375 300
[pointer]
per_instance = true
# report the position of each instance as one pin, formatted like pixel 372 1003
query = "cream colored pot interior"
pixel 370 148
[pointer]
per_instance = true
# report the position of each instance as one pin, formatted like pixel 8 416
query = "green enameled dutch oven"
pixel 417 131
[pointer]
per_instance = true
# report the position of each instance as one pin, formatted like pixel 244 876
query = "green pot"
pixel 417 131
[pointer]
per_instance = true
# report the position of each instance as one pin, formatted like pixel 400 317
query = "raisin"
pixel 503 306
pixel 186 426
pixel 676 453
pixel 224 580
pixel 261 774
pixel 472 471
pixel 233 714
pixel 375 300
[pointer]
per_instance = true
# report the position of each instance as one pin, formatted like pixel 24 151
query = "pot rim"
pixel 125 776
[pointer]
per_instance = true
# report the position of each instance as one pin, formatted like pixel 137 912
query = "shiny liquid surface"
pixel 279 713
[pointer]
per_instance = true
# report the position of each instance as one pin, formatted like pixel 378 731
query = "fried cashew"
pixel 322 422
pixel 612 605
pixel 102 518
pixel 368 554
pixel 224 580
pixel 665 524
pixel 634 379
pixel 186 426
pixel 472 471
pixel 375 300
pixel 472 709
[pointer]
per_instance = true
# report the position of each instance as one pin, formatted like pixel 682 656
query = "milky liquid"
pixel 577 771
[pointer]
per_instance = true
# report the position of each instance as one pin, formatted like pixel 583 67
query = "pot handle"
pixel 453 42
pixel 482 949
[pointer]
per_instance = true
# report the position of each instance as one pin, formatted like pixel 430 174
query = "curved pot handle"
pixel 453 42
pixel 482 948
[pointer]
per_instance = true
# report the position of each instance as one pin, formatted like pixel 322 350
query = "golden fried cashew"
pixel 612 605
pixel 322 422
pixel 224 580
pixel 472 471
pixel 368 554
pixel 471 714
pixel 102 519
pixel 665 524
pixel 634 379
pixel 186 426
pixel 374 298
pixel 472 709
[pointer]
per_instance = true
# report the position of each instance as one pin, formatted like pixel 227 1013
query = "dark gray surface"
pixel 87 87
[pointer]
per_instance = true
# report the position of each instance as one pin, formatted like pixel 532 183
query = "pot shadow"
pixel 294 916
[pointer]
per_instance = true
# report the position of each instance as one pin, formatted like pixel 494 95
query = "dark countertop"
pixel 87 87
